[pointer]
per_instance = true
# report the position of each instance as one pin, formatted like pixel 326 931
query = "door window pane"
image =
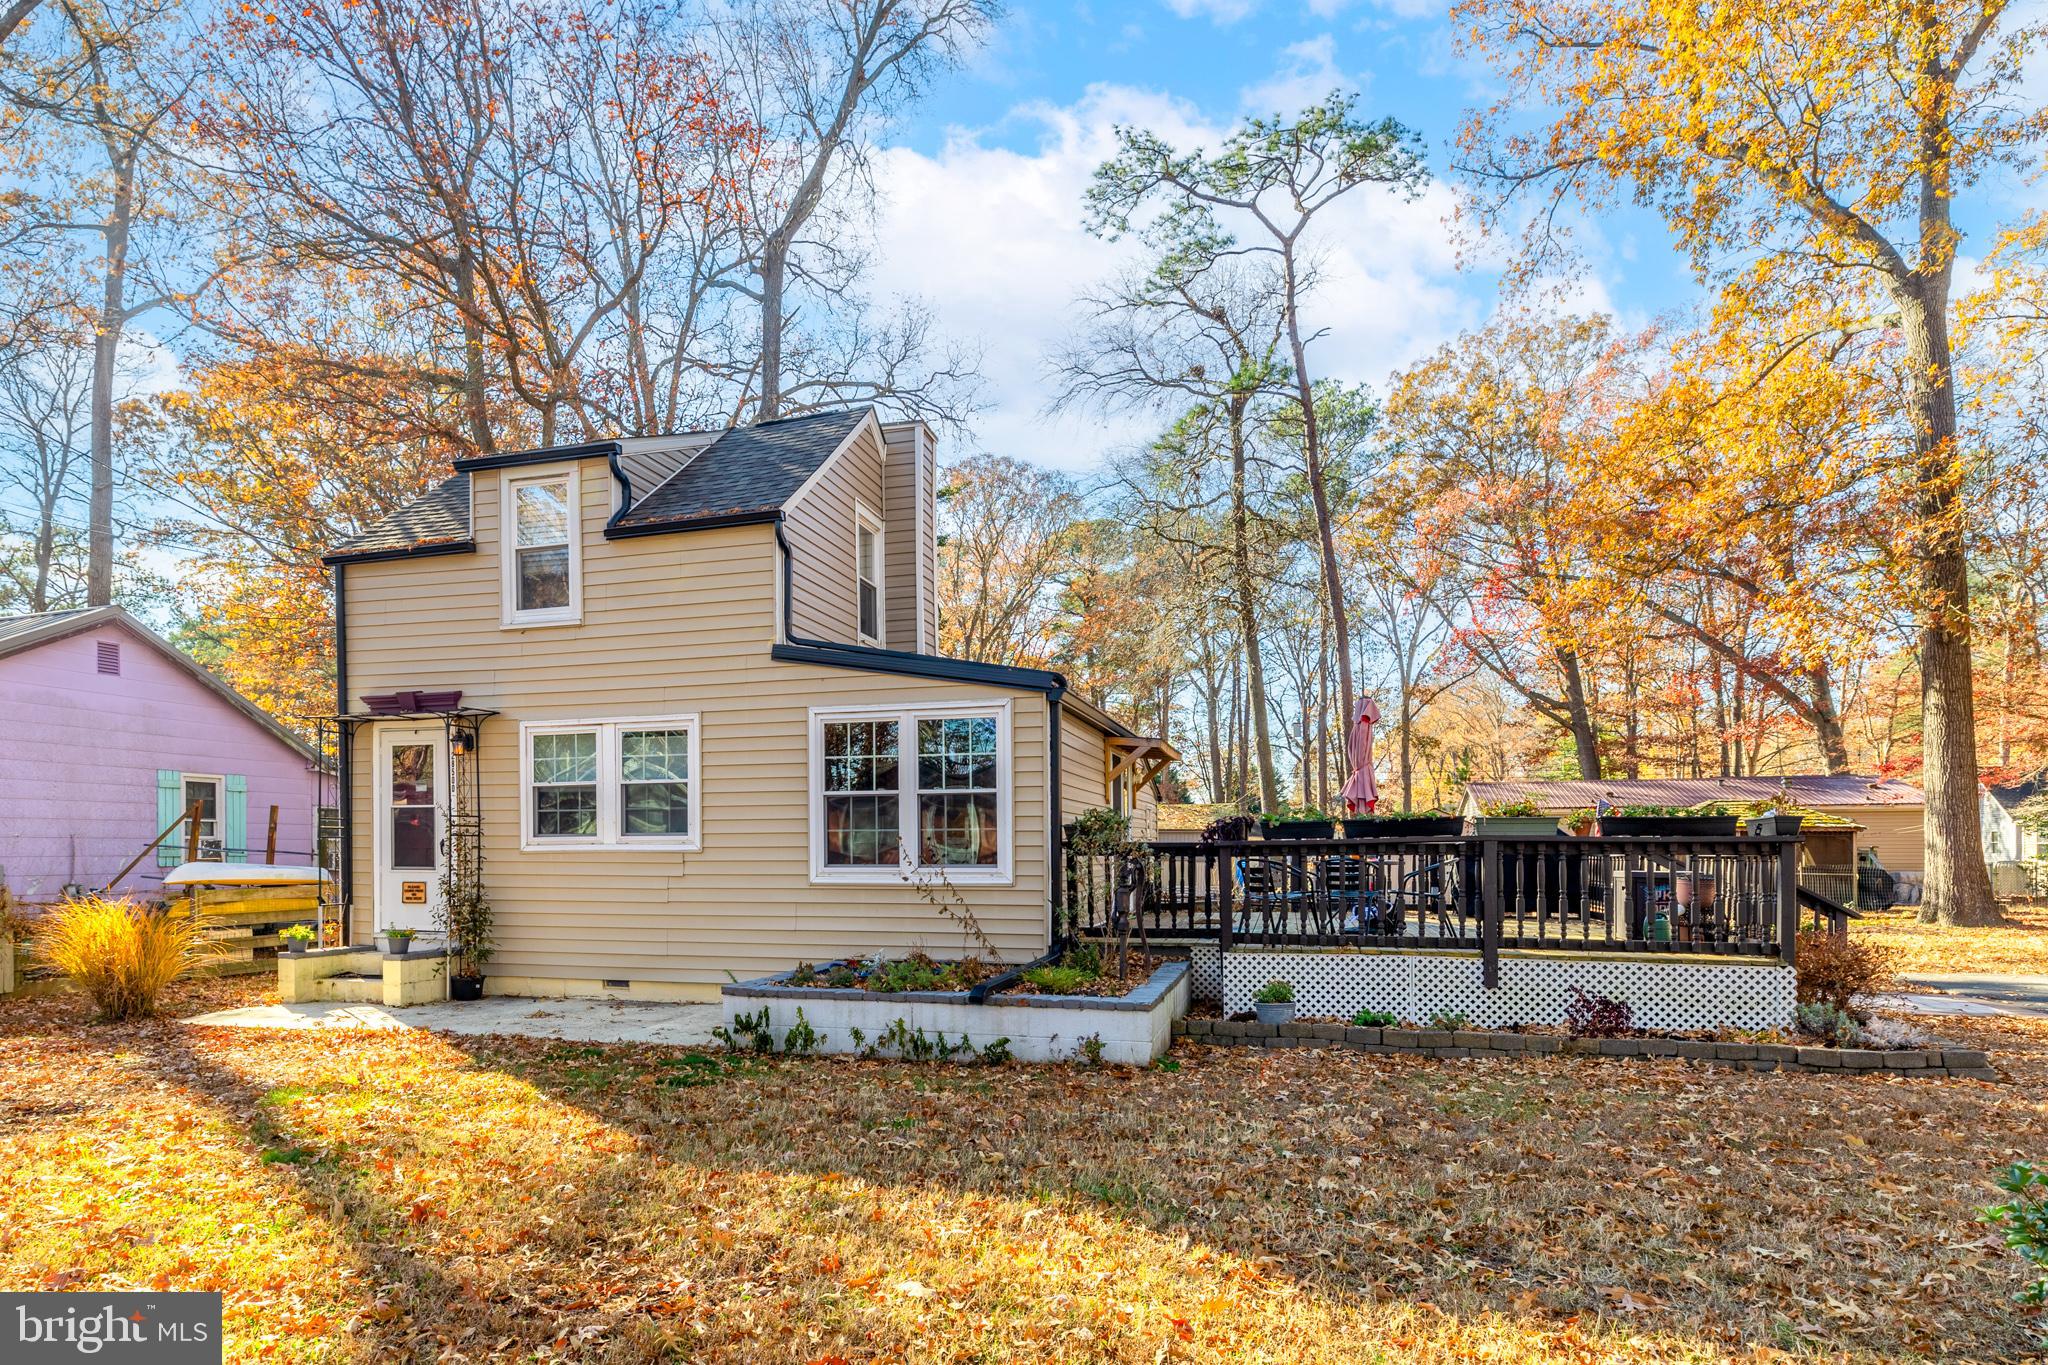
pixel 862 808
pixel 412 774
pixel 412 836
pixel 654 786
pixel 565 784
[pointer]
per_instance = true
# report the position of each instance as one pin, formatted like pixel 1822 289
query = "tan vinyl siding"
pixel 1897 834
pixel 819 525
pixel 672 624
pixel 1145 815
pixel 1084 767
pixel 906 520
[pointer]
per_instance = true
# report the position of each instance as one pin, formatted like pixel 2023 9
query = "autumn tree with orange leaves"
pixel 1807 157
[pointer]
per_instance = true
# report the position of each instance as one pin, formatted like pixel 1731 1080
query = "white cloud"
pixel 1216 11
pixel 1307 73
pixel 991 238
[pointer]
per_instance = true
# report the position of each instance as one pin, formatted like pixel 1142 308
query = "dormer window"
pixel 543 562
pixel 867 568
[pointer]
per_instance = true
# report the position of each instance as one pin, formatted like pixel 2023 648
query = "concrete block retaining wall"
pixel 1134 1028
pixel 1676 993
pixel 1929 1062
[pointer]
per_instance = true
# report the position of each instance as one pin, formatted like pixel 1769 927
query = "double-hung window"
pixel 543 562
pixel 898 790
pixel 610 784
pixel 867 573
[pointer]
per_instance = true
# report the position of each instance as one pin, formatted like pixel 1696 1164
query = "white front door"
pixel 411 799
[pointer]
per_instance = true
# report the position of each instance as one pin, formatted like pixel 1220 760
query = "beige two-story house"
pixel 680 696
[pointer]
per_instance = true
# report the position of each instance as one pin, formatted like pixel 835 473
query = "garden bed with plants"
pixel 921 1008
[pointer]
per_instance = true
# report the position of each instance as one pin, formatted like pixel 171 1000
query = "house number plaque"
pixel 413 893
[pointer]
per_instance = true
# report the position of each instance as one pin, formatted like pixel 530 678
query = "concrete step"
pixel 351 988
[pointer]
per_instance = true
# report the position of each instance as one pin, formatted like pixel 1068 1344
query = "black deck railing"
pixel 1645 895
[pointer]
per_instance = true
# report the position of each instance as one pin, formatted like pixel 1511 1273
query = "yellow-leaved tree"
pixel 1810 151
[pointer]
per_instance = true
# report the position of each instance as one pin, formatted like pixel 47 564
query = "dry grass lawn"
pixel 370 1196
pixel 2020 945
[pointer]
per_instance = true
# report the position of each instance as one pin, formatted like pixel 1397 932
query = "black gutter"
pixel 344 795
pixel 613 531
pixel 545 455
pixel 446 547
pixel 801 649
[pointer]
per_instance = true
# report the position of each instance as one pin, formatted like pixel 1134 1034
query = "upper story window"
pixel 867 568
pixel 543 559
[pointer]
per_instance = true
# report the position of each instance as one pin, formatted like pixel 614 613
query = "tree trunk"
pixel 1247 612
pixel 1584 738
pixel 106 346
pixel 1958 880
pixel 1827 722
pixel 1319 494
pixel 774 270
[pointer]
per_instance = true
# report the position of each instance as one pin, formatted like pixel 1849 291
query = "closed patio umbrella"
pixel 1361 790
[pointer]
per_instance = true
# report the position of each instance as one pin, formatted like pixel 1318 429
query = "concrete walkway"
pixel 1978 993
pixel 581 1021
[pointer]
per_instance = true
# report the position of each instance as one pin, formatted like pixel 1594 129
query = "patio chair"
pixel 1352 899
pixel 1274 890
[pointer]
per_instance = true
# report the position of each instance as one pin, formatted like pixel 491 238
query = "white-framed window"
pixel 609 784
pixel 206 790
pixel 543 554
pixel 917 788
pixel 867 574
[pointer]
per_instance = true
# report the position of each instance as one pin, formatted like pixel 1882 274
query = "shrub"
pixel 1831 1025
pixel 2024 1223
pixel 1842 971
pixel 1275 993
pixel 1099 831
pixel 122 955
pixel 1450 1021
pixel 1598 1016
pixel 1058 980
pixel 1374 1019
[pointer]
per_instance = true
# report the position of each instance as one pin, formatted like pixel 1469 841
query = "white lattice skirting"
pixel 1691 993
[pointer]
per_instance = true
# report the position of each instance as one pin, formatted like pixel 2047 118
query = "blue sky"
pixel 983 183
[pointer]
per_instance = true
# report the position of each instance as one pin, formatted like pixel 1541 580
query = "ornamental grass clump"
pixel 119 953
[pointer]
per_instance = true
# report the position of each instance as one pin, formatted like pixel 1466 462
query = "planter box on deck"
pixel 1134 1028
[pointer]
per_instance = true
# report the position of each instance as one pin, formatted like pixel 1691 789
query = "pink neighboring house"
pixel 107 733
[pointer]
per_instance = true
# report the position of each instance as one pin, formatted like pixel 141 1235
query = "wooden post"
pixel 1223 893
pixel 270 839
pixel 192 831
pixel 1489 913
pixel 1788 900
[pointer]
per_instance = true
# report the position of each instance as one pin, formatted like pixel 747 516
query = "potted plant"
pixel 398 942
pixel 296 938
pixel 1512 820
pixel 1773 822
pixel 1403 824
pixel 1668 822
pixel 465 917
pixel 1304 823
pixel 1274 1003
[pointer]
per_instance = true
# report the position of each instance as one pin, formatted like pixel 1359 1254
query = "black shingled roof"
pixel 749 471
pixel 438 517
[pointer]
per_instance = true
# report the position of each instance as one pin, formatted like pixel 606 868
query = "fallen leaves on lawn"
pixel 368 1196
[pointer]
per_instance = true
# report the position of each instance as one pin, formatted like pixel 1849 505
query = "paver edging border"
pixel 1966 1063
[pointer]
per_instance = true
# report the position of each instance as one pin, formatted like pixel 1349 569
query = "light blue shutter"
pixel 235 819
pixel 170 804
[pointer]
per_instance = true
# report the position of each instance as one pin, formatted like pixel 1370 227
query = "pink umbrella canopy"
pixel 1361 790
